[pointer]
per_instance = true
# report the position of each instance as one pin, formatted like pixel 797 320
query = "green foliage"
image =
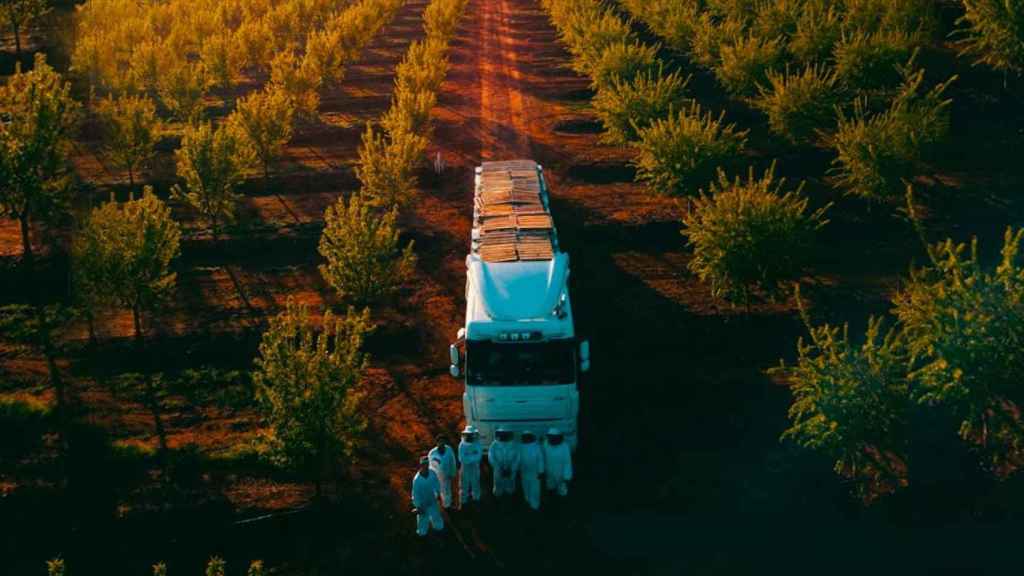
pixel 867 61
pixel 915 18
pixel 264 119
pixel 743 10
pixel 387 167
pixel 679 153
pixel 255 568
pixel 851 403
pixel 211 162
pixel 22 410
pixel 365 260
pixel 591 34
pixel 799 105
pixel 750 235
pixel 746 62
pixel 145 67
pixel 132 130
pixel 204 385
pixel 55 567
pixel 215 566
pixel 306 386
pixel 873 155
pixel 255 43
pixel 876 153
pixel 777 18
pixel 441 17
pixel 676 21
pixel 182 88
pixel 41 119
pixel 131 246
pixel 296 78
pixel 965 332
pixel 423 67
pixel 621 60
pixel 409 112
pixel 628 105
pixel 24 327
pixel 993 33
pixel 818 29
pixel 221 60
pixel 711 35
pixel 323 57
pixel 25 421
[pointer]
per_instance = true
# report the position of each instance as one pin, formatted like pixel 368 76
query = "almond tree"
pixel 21 13
pixel 37 119
pixel 305 382
pixel 211 162
pixel 994 33
pixel 851 403
pixel 264 118
pixel 387 166
pixel 750 235
pixel 182 88
pixel 365 259
pixel 132 129
pixel 133 244
pixel 965 331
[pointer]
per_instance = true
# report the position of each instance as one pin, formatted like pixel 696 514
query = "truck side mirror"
pixel 584 355
pixel 455 360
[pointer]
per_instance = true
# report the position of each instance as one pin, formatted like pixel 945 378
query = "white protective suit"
pixel 444 466
pixel 558 467
pixel 531 466
pixel 504 459
pixel 425 490
pixel 470 454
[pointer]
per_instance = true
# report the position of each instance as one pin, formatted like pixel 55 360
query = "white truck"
pixel 518 352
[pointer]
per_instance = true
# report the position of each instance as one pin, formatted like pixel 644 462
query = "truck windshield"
pixel 521 363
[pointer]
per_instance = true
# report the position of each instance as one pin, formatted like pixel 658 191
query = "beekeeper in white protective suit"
pixel 557 462
pixel 425 491
pixel 531 466
pixel 470 454
pixel 503 455
pixel 442 462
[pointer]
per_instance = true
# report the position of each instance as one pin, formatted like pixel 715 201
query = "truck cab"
pixel 518 353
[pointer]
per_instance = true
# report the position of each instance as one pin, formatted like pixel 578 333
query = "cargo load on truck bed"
pixel 511 215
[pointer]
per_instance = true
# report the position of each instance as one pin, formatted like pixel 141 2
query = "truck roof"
pixel 516 273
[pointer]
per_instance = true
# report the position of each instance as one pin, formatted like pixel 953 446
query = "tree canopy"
pixel 305 380
pixel 212 163
pixel 37 119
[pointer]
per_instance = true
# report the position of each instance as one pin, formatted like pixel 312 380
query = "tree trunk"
pixel 131 178
pixel 151 399
pixel 17 40
pixel 319 466
pixel 27 256
pixel 58 387
pixel 90 320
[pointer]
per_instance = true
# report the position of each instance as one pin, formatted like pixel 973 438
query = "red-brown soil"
pixel 679 465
